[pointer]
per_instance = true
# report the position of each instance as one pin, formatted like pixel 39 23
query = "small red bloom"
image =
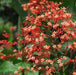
pixel 6 35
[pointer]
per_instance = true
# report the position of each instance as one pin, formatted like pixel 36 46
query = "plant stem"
pixel 23 73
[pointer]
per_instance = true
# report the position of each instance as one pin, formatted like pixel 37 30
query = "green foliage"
pixel 30 45
pixel 5 1
pixel 9 1
pixel 23 65
pixel 5 27
pixel 70 5
pixel 16 4
pixel 65 60
pixel 7 66
pixel 32 73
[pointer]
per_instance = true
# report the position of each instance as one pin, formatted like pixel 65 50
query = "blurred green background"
pixel 8 16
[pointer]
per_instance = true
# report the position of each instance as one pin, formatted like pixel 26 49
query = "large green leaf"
pixel 7 66
pixel 16 4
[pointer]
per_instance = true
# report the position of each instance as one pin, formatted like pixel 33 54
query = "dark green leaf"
pixel 52 21
pixel 42 27
pixel 9 1
pixel 17 6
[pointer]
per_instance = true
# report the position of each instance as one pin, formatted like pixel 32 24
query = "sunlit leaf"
pixel 7 66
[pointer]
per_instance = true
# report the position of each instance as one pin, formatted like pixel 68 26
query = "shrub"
pixel 46 40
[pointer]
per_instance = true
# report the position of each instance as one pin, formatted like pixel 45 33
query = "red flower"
pixel 6 35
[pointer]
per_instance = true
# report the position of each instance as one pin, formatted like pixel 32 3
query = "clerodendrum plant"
pixel 47 40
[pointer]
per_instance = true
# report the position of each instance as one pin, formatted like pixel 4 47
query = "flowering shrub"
pixel 47 41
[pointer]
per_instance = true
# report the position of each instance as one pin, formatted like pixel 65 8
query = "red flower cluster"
pixel 45 33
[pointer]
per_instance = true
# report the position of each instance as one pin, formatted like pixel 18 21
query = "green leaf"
pixel 63 46
pixel 42 27
pixel 1 21
pixel 14 60
pixel 1 50
pixel 47 33
pixel 52 21
pixel 9 1
pixel 32 73
pixel 23 65
pixel 65 60
pixel 11 37
pixel 35 53
pixel 7 66
pixel 19 58
pixel 29 45
pixel 17 7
